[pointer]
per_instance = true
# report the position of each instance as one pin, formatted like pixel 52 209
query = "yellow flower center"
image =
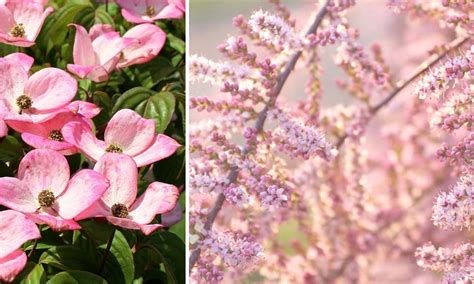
pixel 18 30
pixel 24 102
pixel 119 210
pixel 150 11
pixel 46 198
pixel 56 135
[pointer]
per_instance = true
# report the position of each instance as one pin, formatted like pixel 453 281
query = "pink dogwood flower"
pixel 15 229
pixel 21 21
pixel 45 193
pixel 148 40
pixel 96 54
pixel 180 4
pixel 119 204
pixel 33 98
pixel 48 135
pixel 128 133
pixel 149 11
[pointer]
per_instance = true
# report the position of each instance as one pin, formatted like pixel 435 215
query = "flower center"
pixel 150 11
pixel 113 149
pixel 119 210
pixel 46 198
pixel 56 135
pixel 24 102
pixel 18 30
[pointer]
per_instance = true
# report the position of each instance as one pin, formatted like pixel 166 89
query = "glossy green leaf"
pixel 67 258
pixel 160 107
pixel 76 277
pixel 132 98
pixel 32 274
pixel 176 43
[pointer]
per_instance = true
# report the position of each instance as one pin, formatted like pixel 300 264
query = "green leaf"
pixel 160 107
pixel 151 73
pixel 90 16
pixel 119 267
pixel 131 98
pixel 172 253
pixel 67 258
pixel 10 149
pixel 56 29
pixel 32 274
pixel 172 169
pixel 176 43
pixel 76 277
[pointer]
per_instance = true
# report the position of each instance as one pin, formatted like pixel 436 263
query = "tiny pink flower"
pixel 33 98
pixel 21 21
pixel 96 54
pixel 148 11
pixel 127 133
pixel 119 204
pixel 15 229
pixel 44 191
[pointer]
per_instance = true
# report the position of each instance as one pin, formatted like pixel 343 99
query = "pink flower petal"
pixel 135 18
pixel 3 128
pixel 130 224
pixel 83 52
pixel 82 137
pixel 98 209
pixel 55 222
pixel 24 60
pixel 88 110
pixel 79 70
pixel 150 41
pixel 158 198
pixel 163 147
pixel 84 188
pixel 16 229
pixel 39 142
pixel 108 47
pixel 172 217
pixel 16 195
pixel 43 169
pixel 6 20
pixel 12 84
pixel 168 12
pixel 31 15
pixel 100 29
pixel 128 130
pixel 121 171
pixel 50 89
pixel 11 265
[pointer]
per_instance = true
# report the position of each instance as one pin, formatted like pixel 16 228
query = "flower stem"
pixel 35 244
pixel 107 250
pixel 259 123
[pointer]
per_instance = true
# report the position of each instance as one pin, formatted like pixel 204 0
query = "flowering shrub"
pixel 92 141
pixel 292 188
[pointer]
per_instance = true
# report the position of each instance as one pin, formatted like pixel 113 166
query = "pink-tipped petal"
pixel 100 29
pixel 122 173
pixel 11 265
pixel 83 52
pixel 163 147
pixel 150 41
pixel 86 109
pixel 158 198
pixel 55 222
pixel 169 12
pixel 128 130
pixel 31 15
pixel 180 4
pixel 15 229
pixel 134 18
pixel 16 195
pixel 50 89
pixel 43 169
pixel 108 46
pixel 84 188
pixel 130 224
pixel 82 137
pixel 6 20
pixel 172 217
pixel 24 60
pixel 79 70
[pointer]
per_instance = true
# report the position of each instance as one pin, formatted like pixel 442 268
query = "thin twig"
pixel 35 244
pixel 403 84
pixel 259 123
pixel 107 250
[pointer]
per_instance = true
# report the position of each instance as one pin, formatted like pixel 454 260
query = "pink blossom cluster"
pixel 456 207
pixel 457 263
pixel 39 105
